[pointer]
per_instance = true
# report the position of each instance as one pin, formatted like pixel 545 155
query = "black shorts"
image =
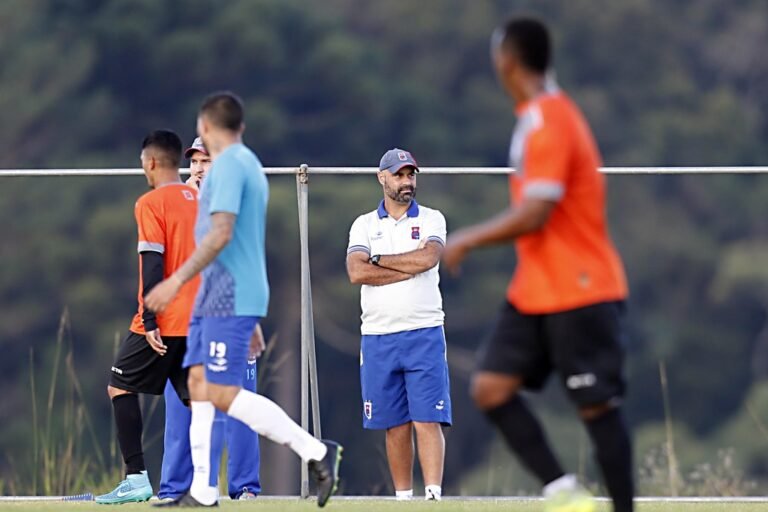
pixel 140 369
pixel 584 346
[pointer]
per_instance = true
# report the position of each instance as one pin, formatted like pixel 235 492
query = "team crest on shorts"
pixel 368 409
pixel 415 233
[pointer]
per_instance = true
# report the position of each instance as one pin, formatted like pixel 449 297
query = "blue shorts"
pixel 221 345
pixel 404 377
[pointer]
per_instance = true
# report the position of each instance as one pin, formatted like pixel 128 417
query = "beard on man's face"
pixel 403 194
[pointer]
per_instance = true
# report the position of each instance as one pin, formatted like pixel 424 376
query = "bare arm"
pixel 529 217
pixel 414 262
pixel 362 272
pixel 222 226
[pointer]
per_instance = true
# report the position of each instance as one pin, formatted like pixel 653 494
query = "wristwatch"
pixel 374 260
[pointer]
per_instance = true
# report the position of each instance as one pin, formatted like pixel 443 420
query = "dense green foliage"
pixel 338 82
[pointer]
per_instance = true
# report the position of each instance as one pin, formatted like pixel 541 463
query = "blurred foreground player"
pixel 565 304
pixel 243 457
pixel 232 298
pixel 153 351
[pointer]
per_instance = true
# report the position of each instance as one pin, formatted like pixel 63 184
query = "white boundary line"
pixel 642 499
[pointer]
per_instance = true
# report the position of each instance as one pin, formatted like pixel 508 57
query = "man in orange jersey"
pixel 153 351
pixel 564 307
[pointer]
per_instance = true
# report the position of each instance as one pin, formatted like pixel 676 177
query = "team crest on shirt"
pixel 368 409
pixel 415 234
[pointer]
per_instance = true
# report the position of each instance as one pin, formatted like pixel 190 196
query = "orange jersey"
pixel 166 220
pixel 571 262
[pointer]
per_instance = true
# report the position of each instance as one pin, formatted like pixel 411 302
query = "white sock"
pixel 268 419
pixel 404 495
pixel 200 428
pixel 567 482
pixel 434 492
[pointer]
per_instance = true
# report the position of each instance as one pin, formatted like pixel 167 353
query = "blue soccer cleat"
pixel 134 488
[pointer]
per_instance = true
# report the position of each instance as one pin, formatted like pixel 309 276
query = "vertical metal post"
pixel 314 391
pixel 309 384
pixel 302 194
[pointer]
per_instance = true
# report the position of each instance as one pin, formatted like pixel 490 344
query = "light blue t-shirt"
pixel 235 283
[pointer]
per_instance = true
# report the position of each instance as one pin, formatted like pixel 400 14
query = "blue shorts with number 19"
pixel 220 344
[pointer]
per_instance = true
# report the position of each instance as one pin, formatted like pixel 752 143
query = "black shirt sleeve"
pixel 151 275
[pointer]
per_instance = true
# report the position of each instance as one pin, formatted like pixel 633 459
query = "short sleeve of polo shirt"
pixel 358 236
pixel 545 164
pixel 434 228
pixel 151 230
pixel 227 185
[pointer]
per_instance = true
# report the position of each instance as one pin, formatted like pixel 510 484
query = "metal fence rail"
pixel 310 400
pixel 10 173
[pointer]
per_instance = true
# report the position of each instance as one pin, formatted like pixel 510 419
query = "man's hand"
pixel 194 182
pixel 456 249
pixel 257 345
pixel 156 342
pixel 161 295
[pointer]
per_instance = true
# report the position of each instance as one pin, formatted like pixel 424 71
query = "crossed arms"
pixel 393 268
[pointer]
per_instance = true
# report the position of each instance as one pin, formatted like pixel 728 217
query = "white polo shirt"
pixel 407 305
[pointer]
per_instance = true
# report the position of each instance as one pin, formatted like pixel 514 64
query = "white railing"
pixel 369 170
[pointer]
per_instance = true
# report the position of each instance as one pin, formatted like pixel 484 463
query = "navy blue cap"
pixel 395 159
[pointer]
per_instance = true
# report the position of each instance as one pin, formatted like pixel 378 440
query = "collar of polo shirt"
pixel 413 209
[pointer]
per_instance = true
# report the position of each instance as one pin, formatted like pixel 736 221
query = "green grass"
pixel 283 505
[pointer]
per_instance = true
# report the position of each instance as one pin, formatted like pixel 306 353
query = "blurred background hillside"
pixel 337 83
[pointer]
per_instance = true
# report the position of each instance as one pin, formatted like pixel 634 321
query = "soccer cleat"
pixel 570 500
pixel 246 495
pixel 185 500
pixel 134 488
pixel 326 472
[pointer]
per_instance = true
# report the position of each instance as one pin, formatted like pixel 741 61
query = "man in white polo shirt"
pixel 394 253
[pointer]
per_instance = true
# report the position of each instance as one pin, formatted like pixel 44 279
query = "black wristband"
pixel 150 324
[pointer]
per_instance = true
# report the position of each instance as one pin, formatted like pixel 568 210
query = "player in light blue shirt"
pixel 235 283
pixel 243 456
pixel 232 298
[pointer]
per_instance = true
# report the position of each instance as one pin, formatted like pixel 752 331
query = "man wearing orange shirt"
pixel 564 306
pixel 153 351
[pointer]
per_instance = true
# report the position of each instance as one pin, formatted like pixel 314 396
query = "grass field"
pixel 349 505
